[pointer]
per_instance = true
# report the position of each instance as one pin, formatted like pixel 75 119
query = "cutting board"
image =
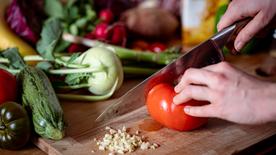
pixel 217 137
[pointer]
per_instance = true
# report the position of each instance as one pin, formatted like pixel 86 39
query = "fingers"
pixel 232 14
pixel 194 76
pixel 201 111
pixel 200 93
pixel 253 27
pixel 222 67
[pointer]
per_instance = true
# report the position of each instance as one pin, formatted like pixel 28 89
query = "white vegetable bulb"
pixel 111 70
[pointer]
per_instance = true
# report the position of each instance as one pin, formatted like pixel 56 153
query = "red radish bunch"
pixel 114 34
pixel 106 16
pixel 117 34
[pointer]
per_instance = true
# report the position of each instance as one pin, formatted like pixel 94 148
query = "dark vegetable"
pixel 152 23
pixel 25 17
pixel 39 95
pixel 116 6
pixel 15 128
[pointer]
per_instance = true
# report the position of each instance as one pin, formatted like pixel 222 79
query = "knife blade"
pixel 207 53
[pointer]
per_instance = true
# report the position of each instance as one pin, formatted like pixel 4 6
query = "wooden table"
pixel 250 61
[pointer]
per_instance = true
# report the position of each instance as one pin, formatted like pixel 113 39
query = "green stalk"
pixel 124 53
pixel 76 97
pixel 139 71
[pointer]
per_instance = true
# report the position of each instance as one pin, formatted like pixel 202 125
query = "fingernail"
pixel 238 45
pixel 187 110
pixel 176 89
pixel 175 100
pixel 218 27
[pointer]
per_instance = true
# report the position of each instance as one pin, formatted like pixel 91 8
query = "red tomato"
pixel 7 86
pixel 157 47
pixel 161 108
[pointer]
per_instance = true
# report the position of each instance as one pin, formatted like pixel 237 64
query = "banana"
pixel 9 39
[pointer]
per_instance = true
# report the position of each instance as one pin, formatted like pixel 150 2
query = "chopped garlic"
pixel 121 142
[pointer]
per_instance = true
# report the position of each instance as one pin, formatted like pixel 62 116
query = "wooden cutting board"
pixel 217 137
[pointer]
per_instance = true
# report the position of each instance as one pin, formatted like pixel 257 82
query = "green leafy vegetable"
pixel 50 35
pixel 78 78
pixel 15 59
pixel 45 66
pixel 54 8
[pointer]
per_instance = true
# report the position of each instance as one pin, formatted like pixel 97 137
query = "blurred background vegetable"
pixel 8 38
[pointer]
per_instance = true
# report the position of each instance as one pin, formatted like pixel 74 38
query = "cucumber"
pixel 39 97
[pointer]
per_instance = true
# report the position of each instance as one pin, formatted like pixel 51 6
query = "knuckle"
pixel 189 71
pixel 219 79
pixel 245 35
pixel 225 65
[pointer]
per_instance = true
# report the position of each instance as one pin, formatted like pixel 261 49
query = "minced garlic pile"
pixel 120 141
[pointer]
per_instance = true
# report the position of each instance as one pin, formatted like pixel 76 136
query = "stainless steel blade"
pixel 207 53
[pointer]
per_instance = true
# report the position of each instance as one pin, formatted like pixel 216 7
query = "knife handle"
pixel 238 27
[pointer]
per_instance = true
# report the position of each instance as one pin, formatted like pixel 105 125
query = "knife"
pixel 207 53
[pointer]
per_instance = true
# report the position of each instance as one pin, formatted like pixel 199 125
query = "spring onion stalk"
pixel 124 53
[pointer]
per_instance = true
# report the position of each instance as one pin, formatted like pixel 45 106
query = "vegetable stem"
pixel 77 97
pixel 74 86
pixel 33 58
pixel 4 60
pixel 71 71
pixel 64 63
pixel 124 53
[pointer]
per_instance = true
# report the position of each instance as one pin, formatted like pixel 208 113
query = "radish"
pixel 106 16
pixel 117 34
pixel 101 31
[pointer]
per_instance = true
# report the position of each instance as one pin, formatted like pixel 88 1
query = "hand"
pixel 233 95
pixel 262 12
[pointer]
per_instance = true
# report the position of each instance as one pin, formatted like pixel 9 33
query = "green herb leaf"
pixel 50 36
pixel 44 65
pixel 54 8
pixel 76 79
pixel 16 61
pixel 73 57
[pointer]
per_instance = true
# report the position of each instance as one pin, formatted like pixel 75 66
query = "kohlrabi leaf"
pixel 73 57
pixel 50 36
pixel 44 65
pixel 54 8
pixel 78 78
pixel 15 59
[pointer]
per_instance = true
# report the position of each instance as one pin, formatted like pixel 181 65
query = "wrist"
pixel 271 102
